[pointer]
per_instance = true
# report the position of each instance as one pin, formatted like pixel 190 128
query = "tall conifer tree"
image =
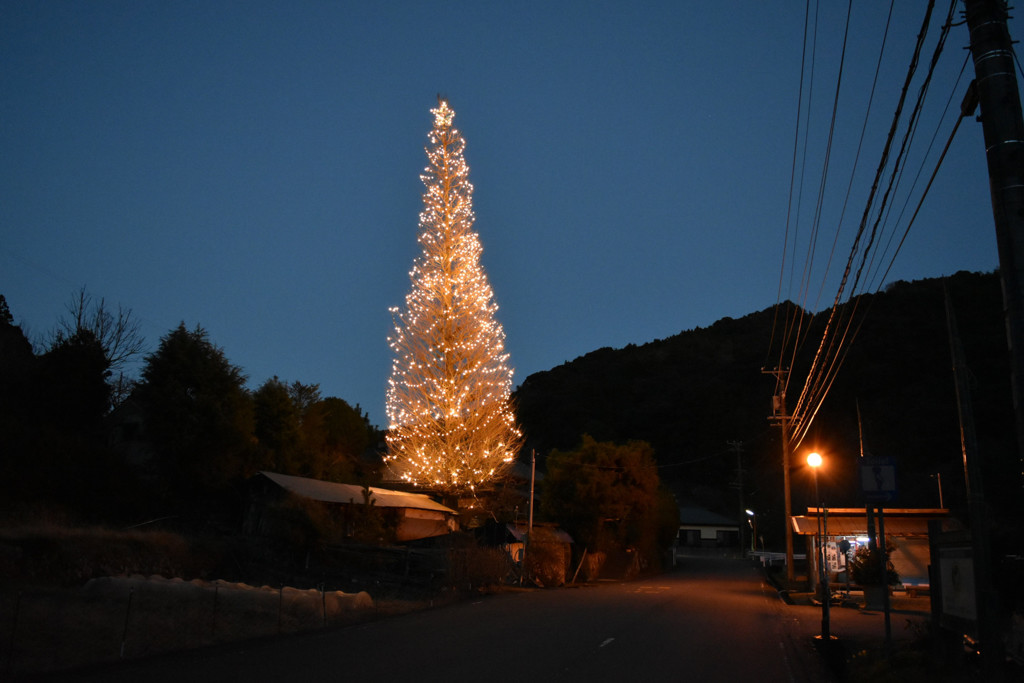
pixel 452 425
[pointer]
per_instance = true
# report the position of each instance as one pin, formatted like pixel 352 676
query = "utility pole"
pixel 533 477
pixel 782 419
pixel 985 596
pixel 995 90
pixel 529 528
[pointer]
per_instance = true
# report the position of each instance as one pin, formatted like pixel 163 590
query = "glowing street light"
pixel 753 529
pixel 814 461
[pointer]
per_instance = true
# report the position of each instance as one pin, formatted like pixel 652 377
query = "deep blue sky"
pixel 253 167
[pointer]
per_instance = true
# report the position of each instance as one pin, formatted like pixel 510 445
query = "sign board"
pixel 835 560
pixel 957 580
pixel 878 479
pixel 952 572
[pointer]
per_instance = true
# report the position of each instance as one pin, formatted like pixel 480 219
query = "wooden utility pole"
pixel 529 528
pixel 995 90
pixel 985 596
pixel 782 419
pixel 786 457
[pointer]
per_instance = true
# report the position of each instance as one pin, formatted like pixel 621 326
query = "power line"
pixel 793 185
pixel 953 92
pixel 839 330
pixel 876 231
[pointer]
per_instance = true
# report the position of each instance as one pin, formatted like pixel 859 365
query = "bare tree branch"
pixel 118 333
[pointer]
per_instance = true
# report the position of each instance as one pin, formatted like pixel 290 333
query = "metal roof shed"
pixel 416 515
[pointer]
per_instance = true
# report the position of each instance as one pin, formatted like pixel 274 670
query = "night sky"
pixel 253 167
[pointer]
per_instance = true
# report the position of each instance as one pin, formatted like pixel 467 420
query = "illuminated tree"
pixel 451 421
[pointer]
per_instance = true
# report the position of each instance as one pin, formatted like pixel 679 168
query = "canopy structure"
pixel 854 521
pixel 906 531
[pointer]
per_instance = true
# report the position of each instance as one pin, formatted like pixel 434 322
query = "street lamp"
pixel 814 460
pixel 938 477
pixel 753 529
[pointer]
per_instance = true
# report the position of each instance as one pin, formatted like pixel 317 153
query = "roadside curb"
pixel 782 592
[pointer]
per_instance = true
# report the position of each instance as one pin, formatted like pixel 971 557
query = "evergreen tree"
pixel 303 396
pixel 71 381
pixel 198 415
pixel 606 495
pixel 277 422
pixel 52 410
pixel 451 421
pixel 5 312
pixel 339 437
pixel 72 464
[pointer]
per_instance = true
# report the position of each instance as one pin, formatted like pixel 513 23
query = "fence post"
pixel 213 620
pixel 14 633
pixel 280 607
pixel 127 614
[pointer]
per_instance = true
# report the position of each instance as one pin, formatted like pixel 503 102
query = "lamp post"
pixel 753 529
pixel 814 460
pixel 938 477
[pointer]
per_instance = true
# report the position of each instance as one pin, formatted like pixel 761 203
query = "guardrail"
pixel 769 559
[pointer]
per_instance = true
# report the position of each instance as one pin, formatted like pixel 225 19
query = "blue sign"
pixel 878 479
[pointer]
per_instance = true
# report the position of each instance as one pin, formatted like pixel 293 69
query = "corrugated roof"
pixel 330 492
pixel 857 525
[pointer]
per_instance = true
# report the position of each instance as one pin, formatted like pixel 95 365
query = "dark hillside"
pixel 899 371
pixel 688 395
pixel 693 394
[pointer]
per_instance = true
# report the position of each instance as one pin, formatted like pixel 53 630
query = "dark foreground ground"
pixel 709 619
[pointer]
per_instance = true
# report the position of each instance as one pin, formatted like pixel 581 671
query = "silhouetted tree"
pixel 198 415
pixel 278 429
pixel 117 333
pixel 16 360
pixel 605 495
pixel 72 460
pixel 72 384
pixel 52 409
pixel 17 414
pixel 338 437
pixel 303 396
pixel 5 312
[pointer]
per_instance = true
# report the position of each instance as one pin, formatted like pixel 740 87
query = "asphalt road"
pixel 709 620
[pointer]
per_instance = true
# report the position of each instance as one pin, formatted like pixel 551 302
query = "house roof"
pixel 541 534
pixel 330 492
pixel 698 516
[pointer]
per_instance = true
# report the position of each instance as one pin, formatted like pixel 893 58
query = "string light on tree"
pixel 451 420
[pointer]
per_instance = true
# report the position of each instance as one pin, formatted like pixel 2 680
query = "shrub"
pixel 477 567
pixel 866 565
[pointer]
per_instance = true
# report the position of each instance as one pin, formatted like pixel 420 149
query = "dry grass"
pixel 113 618
pixel 45 553
pixel 76 596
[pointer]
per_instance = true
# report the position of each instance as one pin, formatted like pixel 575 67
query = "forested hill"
pixel 697 395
